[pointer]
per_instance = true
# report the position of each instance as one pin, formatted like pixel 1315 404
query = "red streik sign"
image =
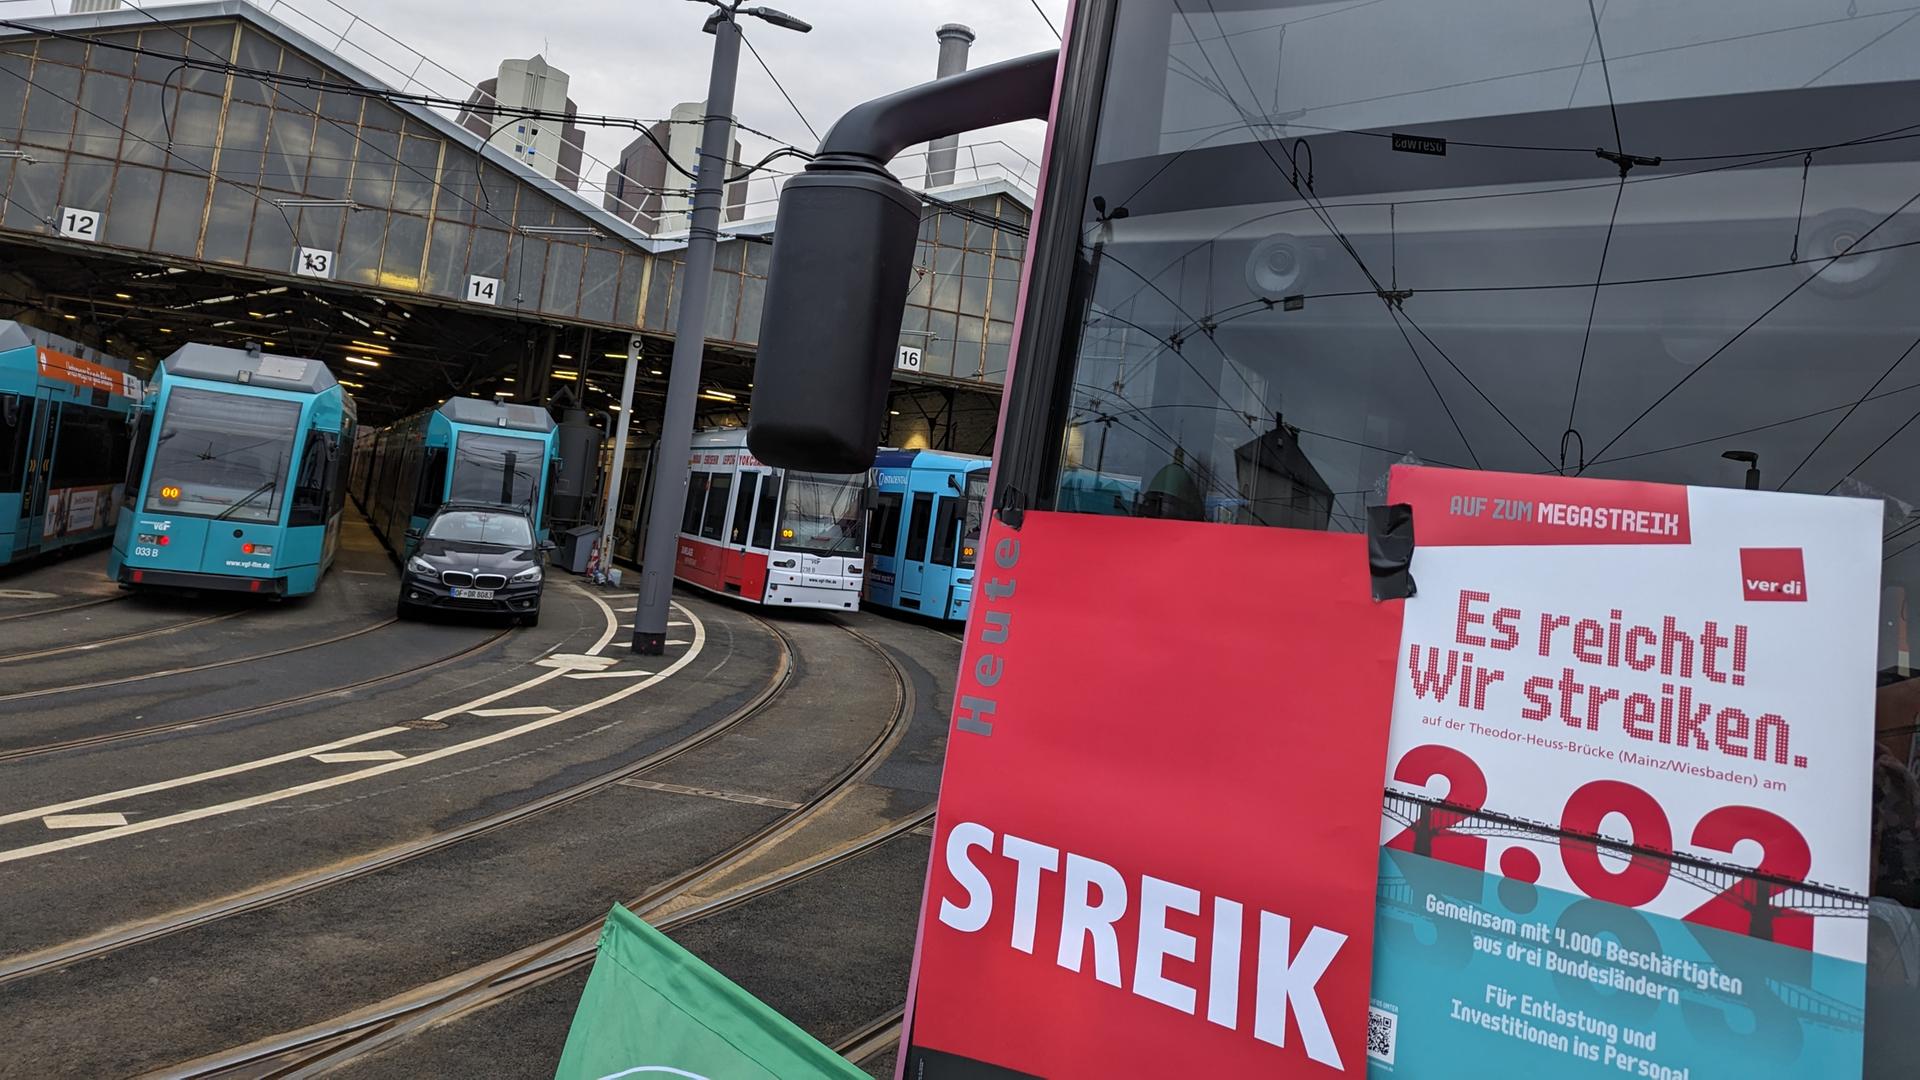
pixel 1159 820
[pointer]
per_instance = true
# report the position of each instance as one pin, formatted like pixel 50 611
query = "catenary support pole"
pixel 620 425
pixel 690 340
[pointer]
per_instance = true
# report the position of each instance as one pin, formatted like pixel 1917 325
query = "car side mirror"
pixel 548 545
pixel 413 536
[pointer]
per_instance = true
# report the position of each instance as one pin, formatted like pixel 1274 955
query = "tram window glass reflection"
pixel 885 527
pixel 821 514
pixel 919 523
pixel 743 508
pixel 433 481
pixel 946 531
pixel 497 469
pixel 16 415
pixel 222 455
pixel 136 454
pixel 976 517
pixel 1289 305
pixel 713 521
pixel 764 514
pixel 696 498
pixel 309 505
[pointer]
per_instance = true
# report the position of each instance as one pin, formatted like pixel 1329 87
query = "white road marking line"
pixel 612 628
pixel 359 755
pixel 608 674
pixel 676 622
pixel 83 821
pixel 577 661
pixel 707 793
pixel 529 710
pixel 182 781
pixel 621 610
pixel 265 798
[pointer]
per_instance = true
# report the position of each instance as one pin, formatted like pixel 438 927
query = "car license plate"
pixel 473 594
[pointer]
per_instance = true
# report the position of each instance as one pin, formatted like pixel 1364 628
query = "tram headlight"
pixel 419 565
pixel 528 576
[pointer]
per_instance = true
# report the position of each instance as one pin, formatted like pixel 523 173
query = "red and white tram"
pixel 773 536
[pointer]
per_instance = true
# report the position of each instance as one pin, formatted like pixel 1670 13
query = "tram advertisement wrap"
pixel 1156 846
pixel 1626 825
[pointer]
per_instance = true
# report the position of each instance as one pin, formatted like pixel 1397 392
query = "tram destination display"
pixel 1627 809
pixel 1156 846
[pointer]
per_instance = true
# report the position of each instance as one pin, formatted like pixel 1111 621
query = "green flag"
pixel 651 1008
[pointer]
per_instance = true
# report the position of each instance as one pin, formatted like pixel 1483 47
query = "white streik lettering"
pixel 1280 985
pixel 1092 898
pixel 1081 918
pixel 979 891
pixel 1158 941
pixel 1031 858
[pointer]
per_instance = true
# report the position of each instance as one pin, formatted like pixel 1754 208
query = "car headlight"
pixel 420 566
pixel 529 575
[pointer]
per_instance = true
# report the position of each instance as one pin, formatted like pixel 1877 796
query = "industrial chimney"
pixel 943 153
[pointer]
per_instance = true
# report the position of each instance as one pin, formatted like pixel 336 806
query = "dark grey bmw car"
pixel 478 559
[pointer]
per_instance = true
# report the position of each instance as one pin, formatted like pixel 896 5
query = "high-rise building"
pixel 642 190
pixel 550 147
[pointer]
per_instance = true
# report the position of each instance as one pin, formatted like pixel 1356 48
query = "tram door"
pixel 33 496
pixel 910 579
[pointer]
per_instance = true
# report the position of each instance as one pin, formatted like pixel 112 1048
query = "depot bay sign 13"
pixel 1624 731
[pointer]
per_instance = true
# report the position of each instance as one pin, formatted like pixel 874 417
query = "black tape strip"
pixel 1390 550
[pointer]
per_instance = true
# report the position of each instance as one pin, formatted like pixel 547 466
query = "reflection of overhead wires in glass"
pixel 1901 359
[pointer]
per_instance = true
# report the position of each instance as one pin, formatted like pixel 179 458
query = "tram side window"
pixel 946 531
pixel 310 499
pixel 696 498
pixel 885 527
pixel 743 508
pixel 137 452
pixel 713 522
pixel 763 515
pixel 83 449
pixel 917 527
pixel 16 422
pixel 433 481
pixel 342 475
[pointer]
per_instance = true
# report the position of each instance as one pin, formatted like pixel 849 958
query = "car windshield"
pixel 479 527
pixel 222 455
pixel 820 514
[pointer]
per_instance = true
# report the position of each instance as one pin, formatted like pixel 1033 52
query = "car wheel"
pixel 403 610
pixel 531 620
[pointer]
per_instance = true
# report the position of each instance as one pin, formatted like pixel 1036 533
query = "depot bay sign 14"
pixel 1624 731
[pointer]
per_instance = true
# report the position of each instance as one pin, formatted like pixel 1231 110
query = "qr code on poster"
pixel 1383 1028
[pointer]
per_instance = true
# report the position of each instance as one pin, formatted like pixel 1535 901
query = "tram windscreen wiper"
pixel 247 498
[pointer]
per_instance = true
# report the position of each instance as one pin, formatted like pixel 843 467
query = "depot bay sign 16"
pixel 1624 731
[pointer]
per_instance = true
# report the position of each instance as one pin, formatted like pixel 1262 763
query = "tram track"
pixel 322 1047
pixel 167 673
pixel 281 892
pixel 107 738
pixel 872 1038
pixel 37 612
pixel 120 639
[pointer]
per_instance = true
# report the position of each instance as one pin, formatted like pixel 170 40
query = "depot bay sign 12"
pixel 1624 731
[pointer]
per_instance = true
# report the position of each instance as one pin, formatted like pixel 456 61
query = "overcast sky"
pixel 639 57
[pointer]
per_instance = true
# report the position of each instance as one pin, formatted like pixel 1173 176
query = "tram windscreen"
pixel 500 470
pixel 1320 239
pixel 222 455
pixel 976 518
pixel 821 514
pixel 478 527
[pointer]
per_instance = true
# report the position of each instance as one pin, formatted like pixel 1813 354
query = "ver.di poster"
pixel 1626 820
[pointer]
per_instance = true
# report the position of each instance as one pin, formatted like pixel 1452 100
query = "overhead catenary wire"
pixel 748 42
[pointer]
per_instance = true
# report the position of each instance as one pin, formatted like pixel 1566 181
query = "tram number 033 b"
pixel 1648 864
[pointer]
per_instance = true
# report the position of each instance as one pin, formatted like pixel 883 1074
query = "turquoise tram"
pixel 238 475
pixel 924 532
pixel 63 444
pixel 466 451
